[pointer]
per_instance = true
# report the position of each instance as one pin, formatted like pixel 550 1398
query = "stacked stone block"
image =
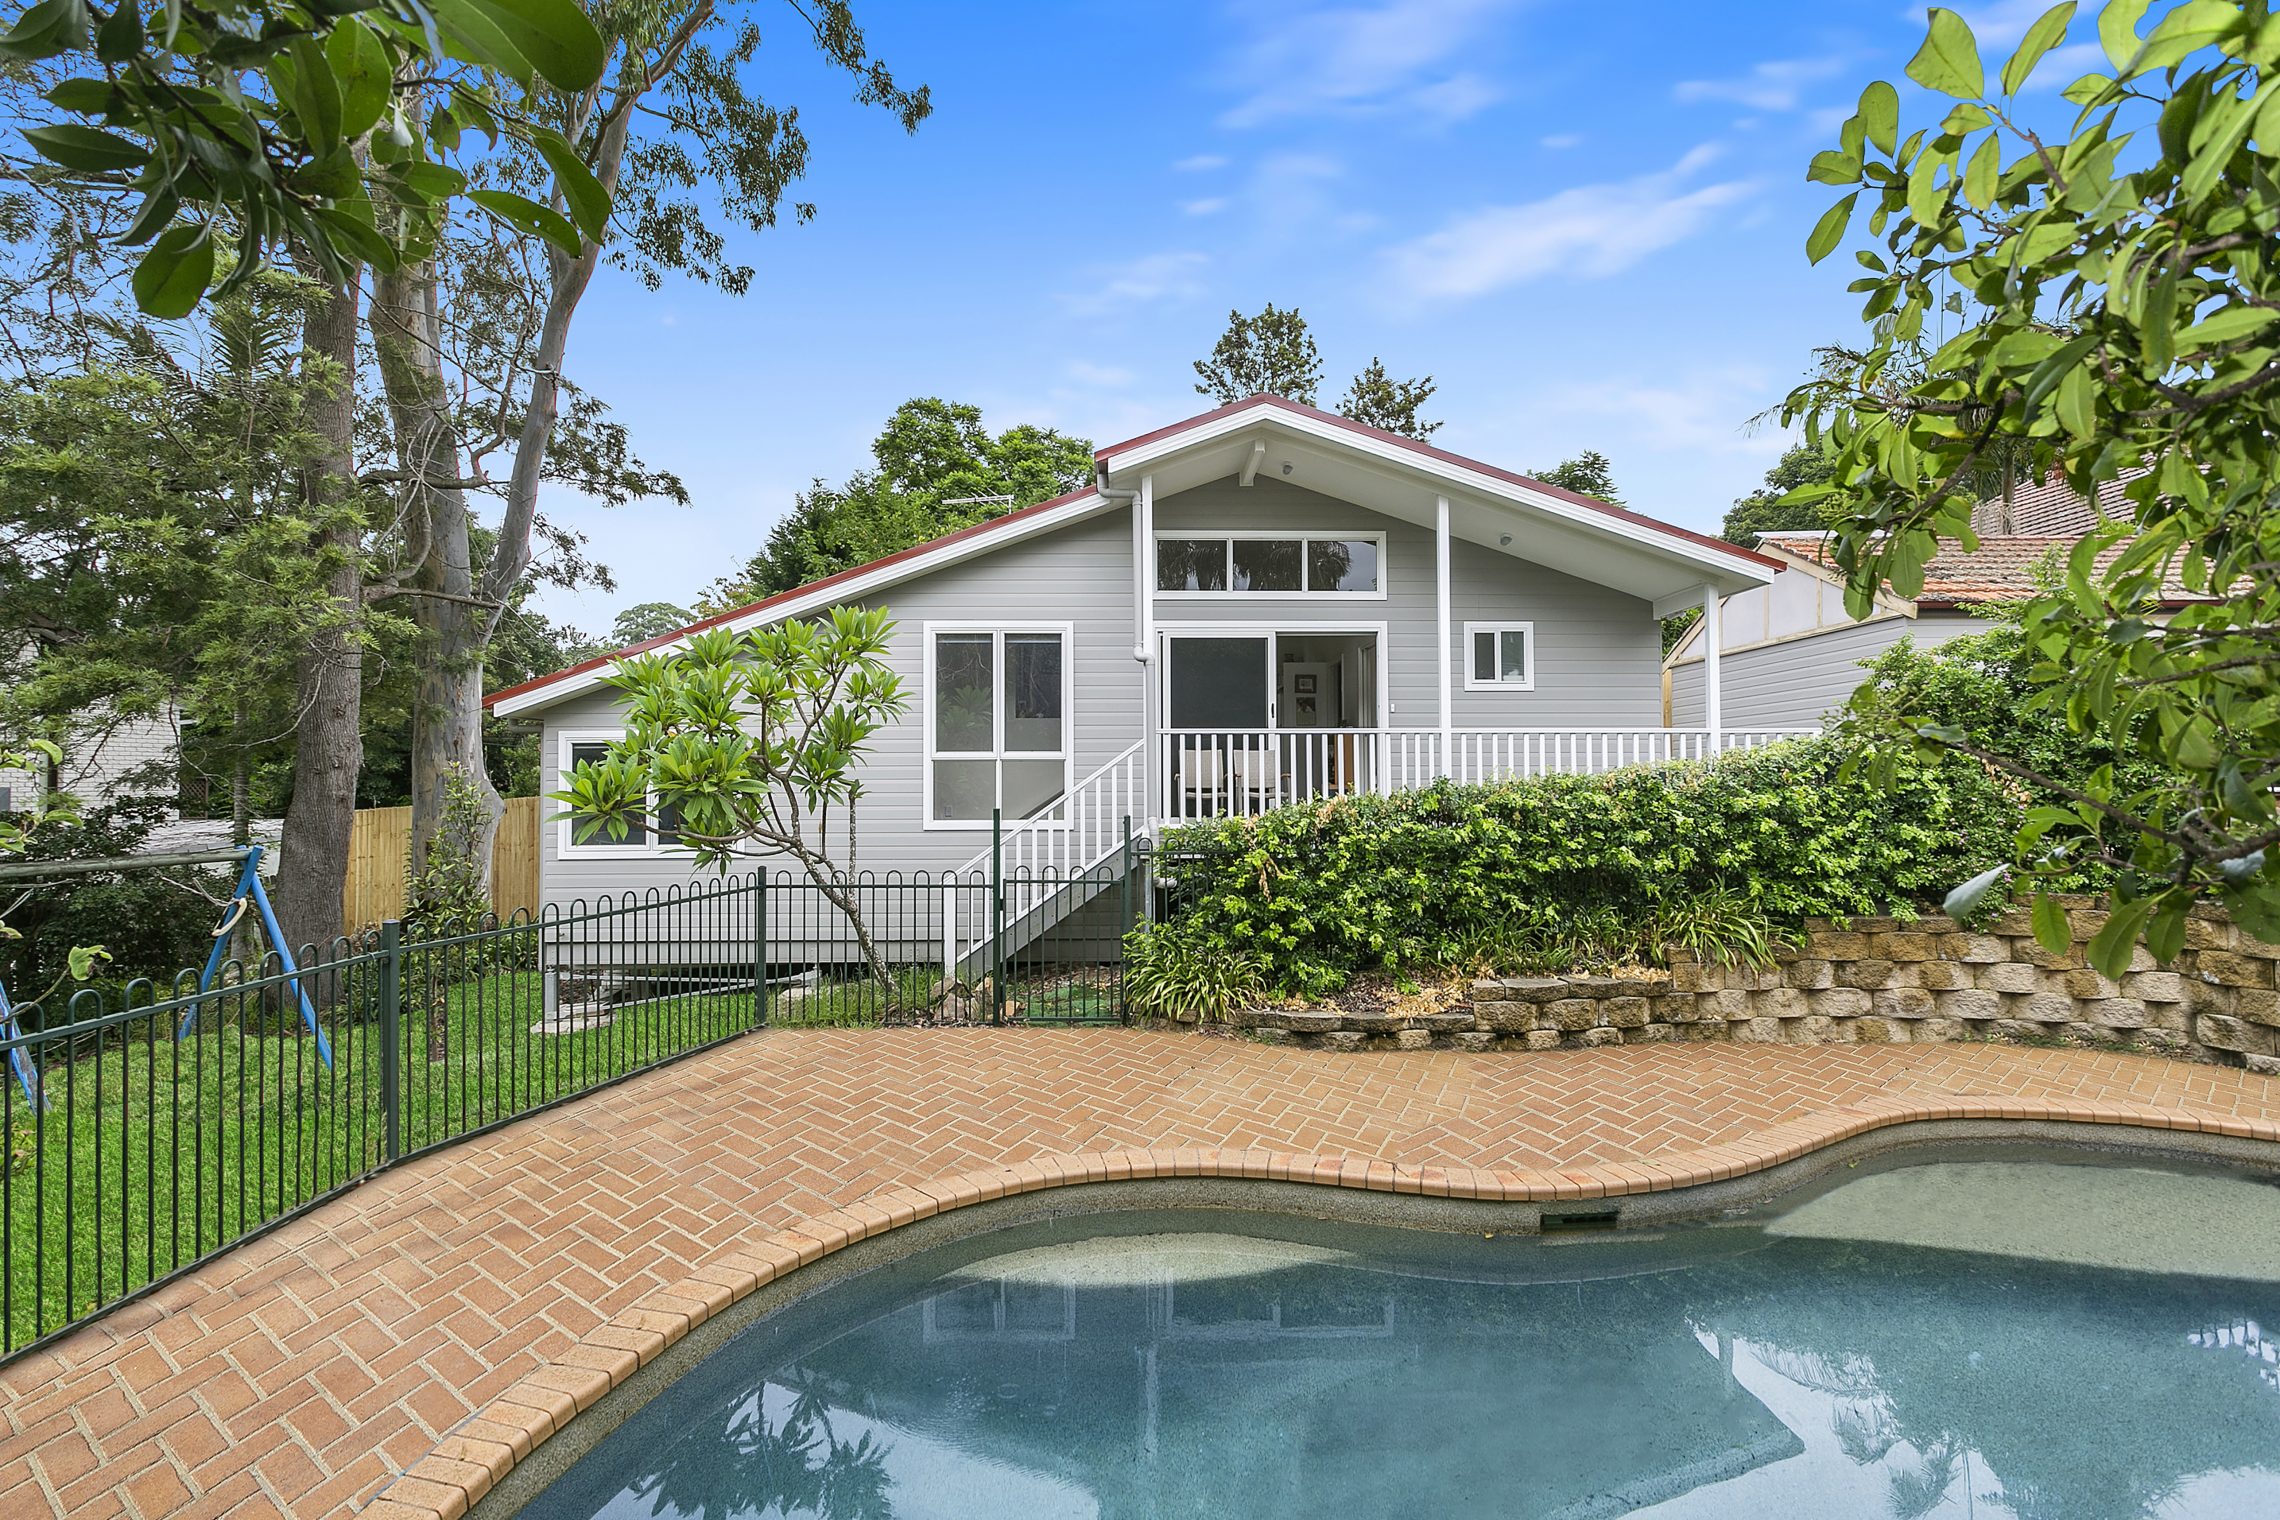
pixel 1867 981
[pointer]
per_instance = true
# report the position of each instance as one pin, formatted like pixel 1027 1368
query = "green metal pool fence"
pixel 148 1127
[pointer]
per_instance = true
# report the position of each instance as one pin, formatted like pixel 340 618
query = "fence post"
pixel 997 915
pixel 760 947
pixel 392 1032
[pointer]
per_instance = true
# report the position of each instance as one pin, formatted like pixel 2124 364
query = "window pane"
pixel 1484 657
pixel 1267 564
pixel 1033 717
pixel 1341 564
pixel 963 720
pixel 1514 666
pixel 964 790
pixel 1033 785
pixel 1191 564
pixel 594 753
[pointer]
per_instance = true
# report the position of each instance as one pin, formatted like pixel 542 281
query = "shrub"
pixel 1180 970
pixel 1723 853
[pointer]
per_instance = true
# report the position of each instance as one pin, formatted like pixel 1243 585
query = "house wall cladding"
pixel 1871 981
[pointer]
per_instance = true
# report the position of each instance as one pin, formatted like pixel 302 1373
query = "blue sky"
pixel 1585 220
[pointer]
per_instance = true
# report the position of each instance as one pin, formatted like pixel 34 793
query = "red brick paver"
pixel 415 1338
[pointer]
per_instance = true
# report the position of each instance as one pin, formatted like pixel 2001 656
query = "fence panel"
pixel 379 849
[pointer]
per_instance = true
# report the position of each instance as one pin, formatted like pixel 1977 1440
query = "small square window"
pixel 1191 564
pixel 1269 564
pixel 1342 564
pixel 1500 656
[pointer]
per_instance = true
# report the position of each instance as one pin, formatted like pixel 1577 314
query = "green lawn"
pixel 155 1151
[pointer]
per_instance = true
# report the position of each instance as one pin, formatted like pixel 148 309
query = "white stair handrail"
pixel 1040 854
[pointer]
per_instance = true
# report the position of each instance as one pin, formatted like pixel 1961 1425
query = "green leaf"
pixel 1949 59
pixel 2156 329
pixel 2055 367
pixel 589 203
pixel 361 73
pixel 1880 114
pixel 1833 168
pixel 554 35
pixel 174 274
pixel 85 148
pixel 2047 32
pixel 1984 173
pixel 527 216
pixel 2110 947
pixel 85 97
pixel 2186 30
pixel 1961 903
pixel 2052 931
pixel 120 36
pixel 48 28
pixel 304 79
pixel 2117 30
pixel 2227 325
pixel 1830 229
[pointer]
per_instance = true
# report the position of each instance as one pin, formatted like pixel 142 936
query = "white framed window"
pixel 998 701
pixel 575 747
pixel 1500 656
pixel 1269 563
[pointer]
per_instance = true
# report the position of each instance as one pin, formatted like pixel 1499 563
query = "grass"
pixel 155 1152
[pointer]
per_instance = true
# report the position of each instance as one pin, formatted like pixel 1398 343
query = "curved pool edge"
pixel 468 1467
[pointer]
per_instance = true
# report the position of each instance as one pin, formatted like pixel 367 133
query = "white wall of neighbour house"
pixel 1598 651
pixel 1796 681
pixel 107 759
pixel 1080 576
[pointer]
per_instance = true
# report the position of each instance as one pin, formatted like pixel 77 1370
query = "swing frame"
pixel 248 893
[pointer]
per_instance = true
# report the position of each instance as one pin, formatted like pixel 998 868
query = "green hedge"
pixel 1321 890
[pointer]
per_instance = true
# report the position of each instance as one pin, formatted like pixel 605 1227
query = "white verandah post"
pixel 1713 636
pixel 1155 778
pixel 1444 752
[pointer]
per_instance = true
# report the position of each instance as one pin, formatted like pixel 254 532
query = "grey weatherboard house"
pixel 1259 604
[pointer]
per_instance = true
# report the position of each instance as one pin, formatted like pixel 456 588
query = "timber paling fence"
pixel 150 1126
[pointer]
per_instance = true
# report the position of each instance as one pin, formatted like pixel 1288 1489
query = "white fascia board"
pixel 1745 569
pixel 855 586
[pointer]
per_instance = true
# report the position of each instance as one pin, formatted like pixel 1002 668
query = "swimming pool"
pixel 2024 1338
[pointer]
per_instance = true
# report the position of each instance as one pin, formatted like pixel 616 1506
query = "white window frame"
pixel 601 846
pixel 1305 536
pixel 928 632
pixel 1525 628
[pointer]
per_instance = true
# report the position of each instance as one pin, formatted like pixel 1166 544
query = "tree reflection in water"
pixel 795 1464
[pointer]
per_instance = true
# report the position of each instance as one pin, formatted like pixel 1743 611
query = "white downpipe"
pixel 1441 604
pixel 1713 637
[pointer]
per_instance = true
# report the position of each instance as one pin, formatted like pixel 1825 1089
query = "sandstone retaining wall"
pixel 1866 981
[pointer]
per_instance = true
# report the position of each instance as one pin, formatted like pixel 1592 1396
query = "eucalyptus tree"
pixel 651 165
pixel 2116 315
pixel 1275 354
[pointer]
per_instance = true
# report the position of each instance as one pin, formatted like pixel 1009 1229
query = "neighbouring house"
pixel 1259 604
pixel 105 759
pixel 1792 654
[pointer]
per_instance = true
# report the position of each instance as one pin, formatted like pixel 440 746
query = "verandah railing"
pixel 159 1125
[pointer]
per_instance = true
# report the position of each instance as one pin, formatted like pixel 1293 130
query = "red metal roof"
pixel 1101 456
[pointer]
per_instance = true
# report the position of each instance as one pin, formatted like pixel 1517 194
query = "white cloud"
pixel 1590 231
pixel 1703 412
pixel 1380 56
pixel 1199 163
pixel 1142 281
pixel 1559 142
pixel 1775 85
pixel 1205 206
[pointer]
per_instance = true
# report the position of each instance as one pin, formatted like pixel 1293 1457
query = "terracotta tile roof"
pixel 2004 568
pixel 2053 507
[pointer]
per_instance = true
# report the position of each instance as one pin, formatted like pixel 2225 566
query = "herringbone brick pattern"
pixel 515 1277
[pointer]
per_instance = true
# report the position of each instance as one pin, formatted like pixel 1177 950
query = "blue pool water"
pixel 1983 1338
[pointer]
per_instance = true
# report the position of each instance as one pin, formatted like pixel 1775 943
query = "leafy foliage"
pixel 1178 970
pixel 1380 401
pixel 1769 509
pixel 2118 305
pixel 1589 473
pixel 1720 855
pixel 447 891
pixel 935 469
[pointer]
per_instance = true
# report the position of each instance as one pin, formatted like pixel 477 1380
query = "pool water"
pixel 2034 1339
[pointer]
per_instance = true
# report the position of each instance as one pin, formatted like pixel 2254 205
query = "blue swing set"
pixel 248 893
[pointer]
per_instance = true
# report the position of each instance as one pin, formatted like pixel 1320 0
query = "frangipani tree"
pixel 2115 298
pixel 741 744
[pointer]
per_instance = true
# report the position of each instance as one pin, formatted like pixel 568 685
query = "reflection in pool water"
pixel 1811 1368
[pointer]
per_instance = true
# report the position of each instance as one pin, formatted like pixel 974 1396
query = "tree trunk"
pixel 328 740
pixel 455 626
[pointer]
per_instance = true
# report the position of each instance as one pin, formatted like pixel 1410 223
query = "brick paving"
pixel 396 1350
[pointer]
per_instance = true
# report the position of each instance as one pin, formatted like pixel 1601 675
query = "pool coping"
pixel 473 1458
